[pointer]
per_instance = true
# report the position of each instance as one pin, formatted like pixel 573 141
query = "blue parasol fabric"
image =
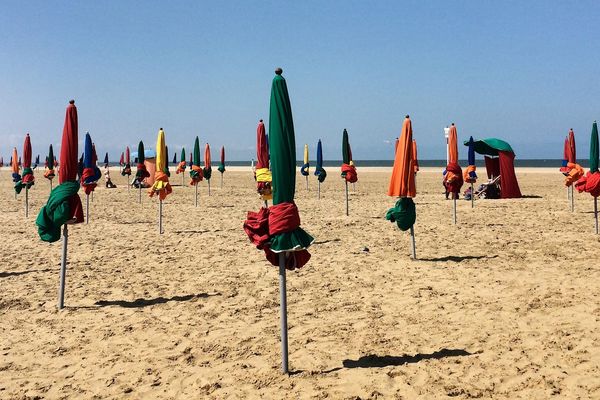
pixel 320 171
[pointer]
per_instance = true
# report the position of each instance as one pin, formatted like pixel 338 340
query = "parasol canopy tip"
pixel 407 116
pixel 278 71
pixel 260 120
pixel 453 124
pixel 71 101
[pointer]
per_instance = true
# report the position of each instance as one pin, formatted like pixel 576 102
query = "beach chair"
pixel 489 190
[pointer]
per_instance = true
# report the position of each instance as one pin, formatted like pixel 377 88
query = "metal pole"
pixel 50 185
pixel 472 196
pixel 347 210
pixel 87 209
pixel 182 178
pixel 196 201
pixel 596 212
pixel 208 187
pixel 160 231
pixel 283 311
pixel 26 202
pixel 414 244
pixel 221 180
pixel 319 190
pixel 454 206
pixel 140 196
pixel 128 184
pixel 353 186
pixel 306 182
pixel 63 268
pixel 572 199
pixel 266 204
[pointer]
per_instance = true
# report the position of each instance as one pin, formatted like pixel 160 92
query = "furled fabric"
pixel 469 175
pixel 221 167
pixel 589 183
pixel 403 213
pixel 573 174
pixel 453 180
pixel 263 183
pixel 349 173
pixel 127 168
pixel 63 205
pixel 161 185
pixel 261 226
pixel 492 167
pixel 402 181
pixel 181 167
pixel 196 174
pixel 320 172
pixel 304 169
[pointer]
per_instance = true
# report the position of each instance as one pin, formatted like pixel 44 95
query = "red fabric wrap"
pixel 590 183
pixel 28 178
pixel 88 187
pixel 142 171
pixel 453 179
pixel 350 173
pixel 267 222
pixel 76 208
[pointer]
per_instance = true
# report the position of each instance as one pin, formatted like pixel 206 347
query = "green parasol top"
pixel 141 156
pixel 490 146
pixel 50 158
pixel 594 149
pixel 282 147
pixel 345 148
pixel 196 160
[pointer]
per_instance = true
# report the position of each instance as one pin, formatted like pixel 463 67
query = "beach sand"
pixel 502 305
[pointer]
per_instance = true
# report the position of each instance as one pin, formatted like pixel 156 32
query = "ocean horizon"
pixel 530 163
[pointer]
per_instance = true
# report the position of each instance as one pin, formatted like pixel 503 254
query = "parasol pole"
pixel 221 180
pixel 454 207
pixel 50 185
pixel 26 202
pixel 414 244
pixel 283 311
pixel 140 198
pixel 196 185
pixel 266 204
pixel 353 187
pixel 63 268
pixel 92 197
pixel 472 196
pixel 347 209
pixel 596 212
pixel 307 183
pixel 208 186
pixel 572 200
pixel 87 209
pixel 160 230
pixel 182 178
pixel 319 190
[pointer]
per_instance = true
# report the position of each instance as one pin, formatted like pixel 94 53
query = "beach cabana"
pixel 499 162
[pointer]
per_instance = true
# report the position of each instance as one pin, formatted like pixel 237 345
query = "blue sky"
pixel 522 71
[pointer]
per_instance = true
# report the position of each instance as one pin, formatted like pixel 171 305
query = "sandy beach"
pixel 502 305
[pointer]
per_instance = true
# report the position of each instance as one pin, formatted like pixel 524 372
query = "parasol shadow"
pixel 138 303
pixel 18 273
pixel 457 258
pixel 375 361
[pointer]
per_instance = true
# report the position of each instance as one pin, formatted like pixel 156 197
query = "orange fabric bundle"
pixel 197 177
pixel 161 186
pixel 181 167
pixel 402 181
pixel 49 174
pixel 574 173
pixel 467 174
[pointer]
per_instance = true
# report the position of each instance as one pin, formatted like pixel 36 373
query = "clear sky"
pixel 524 71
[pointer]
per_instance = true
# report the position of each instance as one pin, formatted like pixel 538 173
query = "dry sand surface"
pixel 503 305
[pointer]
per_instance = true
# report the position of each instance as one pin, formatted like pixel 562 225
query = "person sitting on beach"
pixel 109 183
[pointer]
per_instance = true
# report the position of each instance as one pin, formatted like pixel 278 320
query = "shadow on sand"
pixel 375 361
pixel 457 258
pixel 138 303
pixel 17 273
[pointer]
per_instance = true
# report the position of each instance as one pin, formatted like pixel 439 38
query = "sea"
pixel 533 163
